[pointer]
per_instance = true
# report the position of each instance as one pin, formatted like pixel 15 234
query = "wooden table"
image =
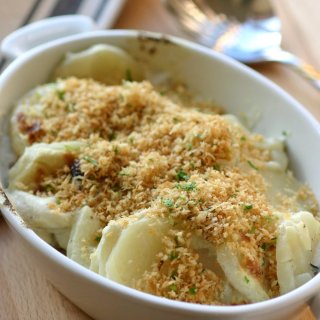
pixel 24 292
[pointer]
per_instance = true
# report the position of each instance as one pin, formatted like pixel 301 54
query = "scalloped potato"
pixel 149 191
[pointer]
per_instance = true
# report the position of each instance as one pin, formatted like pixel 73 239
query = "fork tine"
pixel 199 21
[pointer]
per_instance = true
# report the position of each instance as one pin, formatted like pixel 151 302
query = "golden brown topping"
pixel 142 150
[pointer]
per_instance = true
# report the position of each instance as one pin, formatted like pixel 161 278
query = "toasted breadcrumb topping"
pixel 143 150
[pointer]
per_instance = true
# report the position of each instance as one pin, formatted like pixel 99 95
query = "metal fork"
pixel 246 30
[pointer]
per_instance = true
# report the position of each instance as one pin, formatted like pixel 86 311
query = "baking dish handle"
pixel 43 31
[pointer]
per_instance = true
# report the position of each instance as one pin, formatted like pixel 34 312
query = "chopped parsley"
pixel 189 186
pixel 91 160
pixel 173 287
pixel 124 174
pixel 253 229
pixel 193 290
pixel 252 165
pixel 168 203
pixel 49 187
pixel 247 207
pixel 182 176
pixel 216 167
pixel 173 255
pixel 246 279
pixel 112 136
pixel 129 75
pixel 60 94
pixel 266 246
pixel 174 274
pixel 268 218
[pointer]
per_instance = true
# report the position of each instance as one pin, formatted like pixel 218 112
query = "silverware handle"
pixel 298 65
pixel 309 72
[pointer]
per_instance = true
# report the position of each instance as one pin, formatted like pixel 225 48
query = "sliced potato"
pixel 45 235
pixel 30 105
pixel 83 237
pixel 285 267
pixel 296 250
pixel 208 257
pixel 61 237
pixel 129 247
pixel 110 235
pixel 238 277
pixel 40 159
pixel 102 62
pixel 36 211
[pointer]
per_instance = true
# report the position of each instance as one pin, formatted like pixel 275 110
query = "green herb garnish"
pixel 60 94
pixel 266 246
pixel 168 203
pixel 124 174
pixel 216 167
pixel 193 290
pixel 49 187
pixel 182 176
pixel 129 75
pixel 174 274
pixel 190 186
pixel 253 229
pixel 247 207
pixel 172 287
pixel 112 136
pixel 173 255
pixel 91 160
pixel 252 165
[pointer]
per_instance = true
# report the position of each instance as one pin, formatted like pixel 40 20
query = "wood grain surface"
pixel 24 292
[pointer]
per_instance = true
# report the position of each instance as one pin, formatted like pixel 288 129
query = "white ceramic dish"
pixel 240 91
